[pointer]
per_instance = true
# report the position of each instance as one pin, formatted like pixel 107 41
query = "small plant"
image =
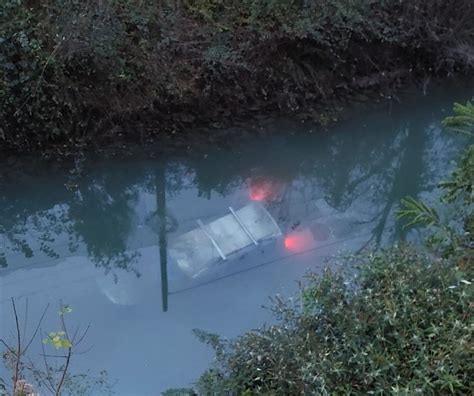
pixel 418 213
pixel 58 340
pixel 461 183
pixel 458 190
pixel 56 379
pixel 463 120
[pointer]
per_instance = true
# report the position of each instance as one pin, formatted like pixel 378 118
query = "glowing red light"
pixel 261 190
pixel 291 242
pixel 258 195
pixel 299 241
pixel 265 189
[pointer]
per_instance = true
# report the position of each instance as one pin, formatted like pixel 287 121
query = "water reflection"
pixel 107 237
pixel 362 171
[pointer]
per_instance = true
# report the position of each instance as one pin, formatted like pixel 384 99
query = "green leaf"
pixel 463 120
pixel 417 213
pixel 58 340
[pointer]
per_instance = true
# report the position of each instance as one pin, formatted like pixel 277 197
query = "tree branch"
pixel 16 374
pixel 37 328
pixel 63 376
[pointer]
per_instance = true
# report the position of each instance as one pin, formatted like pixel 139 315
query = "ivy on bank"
pixel 73 73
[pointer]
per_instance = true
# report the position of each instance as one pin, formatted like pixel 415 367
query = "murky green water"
pixel 145 251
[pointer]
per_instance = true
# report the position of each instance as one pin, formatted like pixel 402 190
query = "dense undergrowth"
pixel 78 73
pixel 407 330
pixel 400 325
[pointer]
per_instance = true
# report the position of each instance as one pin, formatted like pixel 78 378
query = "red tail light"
pixel 299 241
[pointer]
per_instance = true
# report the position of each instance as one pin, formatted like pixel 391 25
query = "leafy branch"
pixel 15 356
pixel 463 120
pixel 461 183
pixel 417 213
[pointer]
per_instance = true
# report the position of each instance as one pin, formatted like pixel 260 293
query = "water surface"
pixel 101 241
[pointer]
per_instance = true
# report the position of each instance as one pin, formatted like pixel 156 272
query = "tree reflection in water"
pixel 361 172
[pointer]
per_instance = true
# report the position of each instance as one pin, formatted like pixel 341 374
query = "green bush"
pixel 404 328
pixel 62 65
pixel 73 73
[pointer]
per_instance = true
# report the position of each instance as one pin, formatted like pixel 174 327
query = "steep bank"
pixel 89 75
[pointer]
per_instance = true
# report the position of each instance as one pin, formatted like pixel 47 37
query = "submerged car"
pixel 198 250
pixel 243 239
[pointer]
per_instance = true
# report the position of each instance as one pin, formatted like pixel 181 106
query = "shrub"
pixel 62 65
pixel 405 329
pixel 72 73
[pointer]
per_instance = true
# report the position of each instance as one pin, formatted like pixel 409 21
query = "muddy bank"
pixel 176 135
pixel 154 134
pixel 107 74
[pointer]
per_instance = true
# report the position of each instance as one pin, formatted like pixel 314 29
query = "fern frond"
pixel 463 120
pixel 417 213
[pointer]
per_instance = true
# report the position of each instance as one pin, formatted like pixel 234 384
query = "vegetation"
pixel 406 330
pixel 53 375
pixel 401 325
pixel 75 74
